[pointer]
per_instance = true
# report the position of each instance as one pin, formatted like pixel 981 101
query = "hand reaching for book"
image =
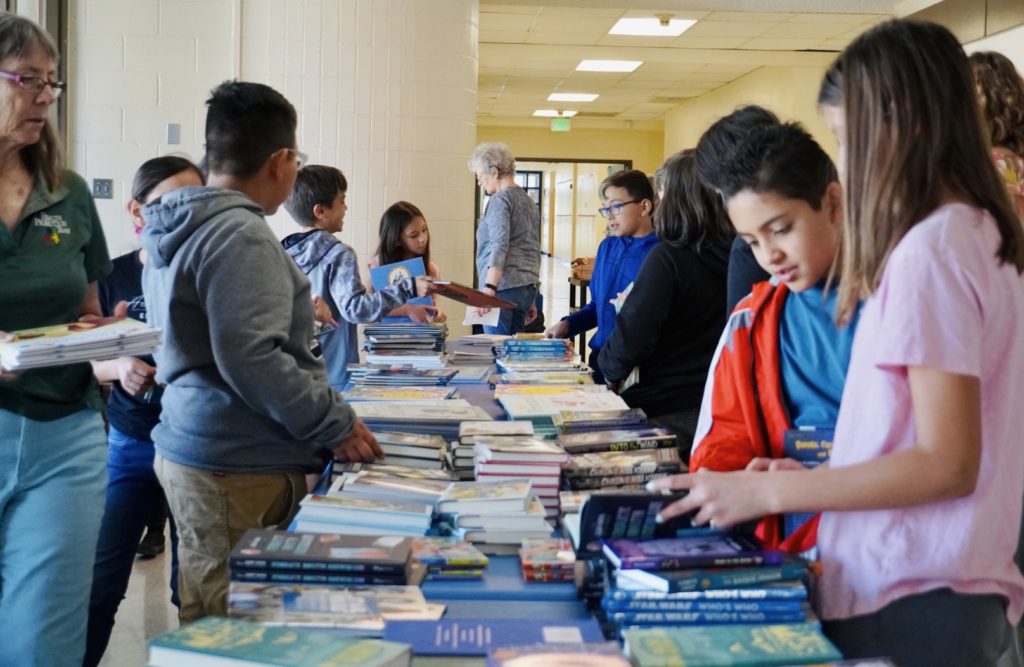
pixel 361 445
pixel 420 314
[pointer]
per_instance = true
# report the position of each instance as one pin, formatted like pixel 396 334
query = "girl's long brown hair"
pixel 1002 103
pixel 914 139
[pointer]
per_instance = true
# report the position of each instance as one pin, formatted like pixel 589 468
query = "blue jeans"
pixel 52 480
pixel 131 493
pixel 513 320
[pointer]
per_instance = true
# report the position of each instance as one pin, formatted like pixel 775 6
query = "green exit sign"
pixel 560 125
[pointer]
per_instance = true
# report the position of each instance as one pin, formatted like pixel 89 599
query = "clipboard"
pixel 467 295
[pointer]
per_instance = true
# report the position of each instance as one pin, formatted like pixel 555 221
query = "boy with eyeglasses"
pixel 247 410
pixel 628 207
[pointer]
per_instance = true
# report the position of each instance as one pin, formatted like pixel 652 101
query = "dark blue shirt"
pixel 135 417
pixel 813 356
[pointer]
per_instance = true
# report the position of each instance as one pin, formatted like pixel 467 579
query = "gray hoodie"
pixel 333 270
pixel 244 393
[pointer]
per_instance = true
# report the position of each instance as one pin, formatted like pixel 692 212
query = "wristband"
pixel 490 286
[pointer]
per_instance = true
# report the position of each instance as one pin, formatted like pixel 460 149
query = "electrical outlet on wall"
pixel 103 188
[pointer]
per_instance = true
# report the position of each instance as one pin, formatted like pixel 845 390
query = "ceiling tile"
pixel 576 11
pixel 575 39
pixel 852 19
pixel 686 42
pixel 502 37
pixel 668 67
pixel 573 24
pixel 763 17
pixel 507 9
pixel 802 31
pixel 728 28
pixel 505 22
pixel 621 40
pixel 772 44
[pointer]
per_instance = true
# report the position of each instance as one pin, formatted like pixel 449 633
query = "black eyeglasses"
pixel 34 84
pixel 616 208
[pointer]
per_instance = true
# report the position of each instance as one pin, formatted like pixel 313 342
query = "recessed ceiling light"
pixel 651 27
pixel 608 65
pixel 554 113
pixel 572 97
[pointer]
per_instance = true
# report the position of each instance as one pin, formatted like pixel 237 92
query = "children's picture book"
pixel 230 642
pixel 476 637
pixel 738 645
pixel 74 342
pixel 467 295
pixel 262 548
pixel 604 654
pixel 389 274
pixel 677 553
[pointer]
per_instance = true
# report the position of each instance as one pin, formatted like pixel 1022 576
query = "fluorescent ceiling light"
pixel 608 65
pixel 554 113
pixel 572 97
pixel 652 27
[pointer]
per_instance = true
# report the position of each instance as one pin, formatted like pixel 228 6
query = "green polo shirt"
pixel 55 251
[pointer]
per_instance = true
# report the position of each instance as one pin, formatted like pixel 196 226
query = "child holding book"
pixel 921 499
pixel 781 362
pixel 404 236
pixel 317 203
pixel 628 206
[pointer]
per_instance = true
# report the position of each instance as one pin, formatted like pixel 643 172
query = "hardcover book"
pixel 265 549
pixel 732 645
pixel 680 581
pixel 215 641
pixel 677 553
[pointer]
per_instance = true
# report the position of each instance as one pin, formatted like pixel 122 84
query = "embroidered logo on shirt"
pixel 54 225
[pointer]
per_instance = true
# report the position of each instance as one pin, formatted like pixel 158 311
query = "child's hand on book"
pixel 420 314
pixel 559 330
pixel 762 464
pixel 720 499
pixel 361 445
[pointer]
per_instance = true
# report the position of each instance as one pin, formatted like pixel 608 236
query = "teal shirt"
pixel 46 264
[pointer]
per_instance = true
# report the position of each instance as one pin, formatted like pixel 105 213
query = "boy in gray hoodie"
pixel 247 410
pixel 317 203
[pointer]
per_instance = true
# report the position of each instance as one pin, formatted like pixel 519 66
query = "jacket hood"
pixel 175 217
pixel 715 256
pixel 309 248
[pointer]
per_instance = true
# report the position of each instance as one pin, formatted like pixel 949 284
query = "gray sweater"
pixel 244 393
pixel 508 237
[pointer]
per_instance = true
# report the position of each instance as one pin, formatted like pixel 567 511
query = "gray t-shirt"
pixel 509 238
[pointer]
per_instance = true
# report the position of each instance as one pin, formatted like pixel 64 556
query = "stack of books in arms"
pixel 496 516
pixel 399 375
pixel 461 457
pixel 353 610
pixel 527 457
pixel 539 407
pixel 215 641
pixel 449 558
pixel 397 393
pixel 424 417
pixel 275 556
pixel 76 342
pixel 547 559
pixel 355 515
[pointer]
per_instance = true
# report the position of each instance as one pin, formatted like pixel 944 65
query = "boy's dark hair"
pixel 689 213
pixel 716 147
pixel 246 123
pixel 315 184
pixel 392 224
pixel 157 170
pixel 782 158
pixel 633 181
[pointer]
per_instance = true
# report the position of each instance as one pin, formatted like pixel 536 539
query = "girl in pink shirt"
pixel 922 498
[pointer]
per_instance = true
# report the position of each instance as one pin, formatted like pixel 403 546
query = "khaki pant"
pixel 212 511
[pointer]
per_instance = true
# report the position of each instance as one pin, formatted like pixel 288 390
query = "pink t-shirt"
pixel 943 303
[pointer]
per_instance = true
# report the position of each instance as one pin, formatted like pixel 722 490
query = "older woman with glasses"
pixel 507 239
pixel 52 445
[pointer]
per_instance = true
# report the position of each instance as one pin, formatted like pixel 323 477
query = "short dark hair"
pixel 689 213
pixel 633 181
pixel 392 224
pixel 246 123
pixel 157 170
pixel 716 146
pixel 783 159
pixel 315 184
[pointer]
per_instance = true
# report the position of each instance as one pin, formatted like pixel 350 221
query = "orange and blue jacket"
pixel 743 414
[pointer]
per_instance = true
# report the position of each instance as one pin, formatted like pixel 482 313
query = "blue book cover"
pixel 677 581
pixel 677 553
pixel 389 274
pixel 613 605
pixel 626 618
pixel 794 590
pixel 476 637
pixel 812 447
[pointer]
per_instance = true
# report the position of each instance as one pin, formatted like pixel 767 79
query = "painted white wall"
pixel 1009 42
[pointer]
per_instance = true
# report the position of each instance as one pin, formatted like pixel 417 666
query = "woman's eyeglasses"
pixel 34 84
pixel 616 208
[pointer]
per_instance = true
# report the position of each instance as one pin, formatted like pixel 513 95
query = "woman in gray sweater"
pixel 507 239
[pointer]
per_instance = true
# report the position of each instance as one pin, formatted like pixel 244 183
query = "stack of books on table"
pixel 412 450
pixel 539 408
pixel 581 421
pixel 483 341
pixel 703 577
pixel 506 365
pixel 619 440
pixel 353 610
pixel 399 375
pixel 449 558
pixel 569 377
pixel 215 641
pixel 471 356
pixel 276 556
pixel 77 342
pixel 424 417
pixel 530 348
pixel 353 515
pixel 548 559
pixel 366 392
pixel 380 483
pixel 496 516
pixel 461 457
pixel 601 470
pixel 526 457
pixel 422 360
pixel 384 337
pixel 473 375
pixel 354 468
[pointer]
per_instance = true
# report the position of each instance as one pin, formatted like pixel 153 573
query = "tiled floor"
pixel 147 610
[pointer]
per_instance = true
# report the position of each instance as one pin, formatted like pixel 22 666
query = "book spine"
pixel 709 618
pixel 625 446
pixel 282 577
pixel 686 563
pixel 603 480
pixel 313 566
pixel 765 606
pixel 794 592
